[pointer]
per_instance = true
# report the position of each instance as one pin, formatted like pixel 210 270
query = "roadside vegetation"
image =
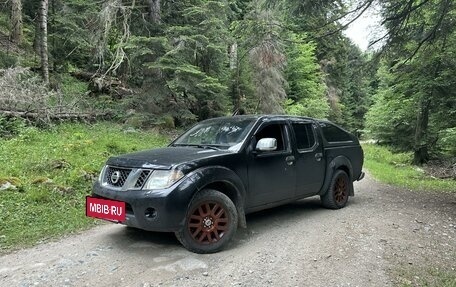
pixel 410 277
pixel 46 174
pixel 396 169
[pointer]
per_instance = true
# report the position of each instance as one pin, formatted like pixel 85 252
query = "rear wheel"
pixel 337 195
pixel 210 224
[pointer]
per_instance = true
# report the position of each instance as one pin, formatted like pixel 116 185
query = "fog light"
pixel 150 213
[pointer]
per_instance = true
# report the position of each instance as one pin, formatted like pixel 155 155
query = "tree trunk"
pixel 16 21
pixel 37 39
pixel 421 154
pixel 154 11
pixel 233 55
pixel 234 66
pixel 43 40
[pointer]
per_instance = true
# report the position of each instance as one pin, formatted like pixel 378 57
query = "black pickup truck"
pixel 204 183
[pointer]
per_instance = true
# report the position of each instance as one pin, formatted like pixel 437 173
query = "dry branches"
pixel 25 95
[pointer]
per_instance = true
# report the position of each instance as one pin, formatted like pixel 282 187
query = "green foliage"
pixel 310 107
pixel 306 91
pixel 5 21
pixel 55 169
pixel 447 141
pixel 69 37
pixel 202 59
pixel 11 126
pixel 338 59
pixel 399 101
pixel 436 277
pixel 356 98
pixel 184 63
pixel 260 55
pixel 396 169
pixel 391 118
pixel 416 98
pixel 72 87
pixel 7 60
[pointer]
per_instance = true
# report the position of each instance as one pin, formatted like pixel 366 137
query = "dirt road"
pixel 384 237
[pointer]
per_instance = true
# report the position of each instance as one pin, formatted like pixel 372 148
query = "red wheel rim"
pixel 341 190
pixel 208 222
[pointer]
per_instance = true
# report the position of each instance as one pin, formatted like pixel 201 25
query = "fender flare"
pixel 209 175
pixel 339 162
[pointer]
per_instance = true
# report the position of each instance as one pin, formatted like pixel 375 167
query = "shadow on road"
pixel 258 223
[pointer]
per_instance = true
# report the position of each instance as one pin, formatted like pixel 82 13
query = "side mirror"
pixel 266 144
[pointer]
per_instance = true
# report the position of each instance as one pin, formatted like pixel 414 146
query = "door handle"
pixel 290 159
pixel 318 156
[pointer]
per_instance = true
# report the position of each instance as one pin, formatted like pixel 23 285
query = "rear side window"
pixel 304 134
pixel 334 134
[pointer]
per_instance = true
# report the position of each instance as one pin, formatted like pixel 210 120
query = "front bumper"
pixel 157 210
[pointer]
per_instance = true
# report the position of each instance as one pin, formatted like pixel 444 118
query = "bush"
pixel 447 140
pixel 7 60
pixel 392 120
pixel 11 126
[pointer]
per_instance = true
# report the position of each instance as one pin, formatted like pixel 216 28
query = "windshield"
pixel 223 133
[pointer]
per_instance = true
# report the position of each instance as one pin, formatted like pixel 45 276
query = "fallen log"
pixel 55 116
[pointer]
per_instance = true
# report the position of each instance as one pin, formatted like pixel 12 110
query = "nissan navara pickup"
pixel 203 184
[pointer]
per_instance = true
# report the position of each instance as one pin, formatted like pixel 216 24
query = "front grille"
pixel 117 176
pixel 125 178
pixel 142 178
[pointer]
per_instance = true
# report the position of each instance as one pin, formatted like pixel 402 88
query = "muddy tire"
pixel 337 195
pixel 210 224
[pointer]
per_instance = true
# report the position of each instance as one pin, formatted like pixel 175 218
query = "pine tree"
pixel 262 57
pixel 306 90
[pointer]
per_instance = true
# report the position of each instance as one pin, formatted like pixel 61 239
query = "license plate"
pixel 111 210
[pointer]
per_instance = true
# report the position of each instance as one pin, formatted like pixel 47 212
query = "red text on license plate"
pixel 105 209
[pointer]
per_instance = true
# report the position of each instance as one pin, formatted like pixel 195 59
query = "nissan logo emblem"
pixel 115 176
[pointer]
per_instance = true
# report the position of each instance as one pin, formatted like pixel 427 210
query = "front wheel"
pixel 337 195
pixel 210 223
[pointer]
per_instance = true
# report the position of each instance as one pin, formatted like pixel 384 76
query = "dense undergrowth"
pixel 49 172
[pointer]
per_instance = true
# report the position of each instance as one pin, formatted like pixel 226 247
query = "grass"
pixel 395 169
pixel 424 277
pixel 53 170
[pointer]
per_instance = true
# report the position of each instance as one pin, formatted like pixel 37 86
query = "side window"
pixel 273 131
pixel 304 134
pixel 333 133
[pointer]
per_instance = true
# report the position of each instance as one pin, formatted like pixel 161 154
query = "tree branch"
pixel 366 6
pixel 431 34
pixel 405 12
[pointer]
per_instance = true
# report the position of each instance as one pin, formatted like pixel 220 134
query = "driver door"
pixel 272 174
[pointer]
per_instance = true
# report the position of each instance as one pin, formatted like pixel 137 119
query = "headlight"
pixel 160 179
pixel 100 177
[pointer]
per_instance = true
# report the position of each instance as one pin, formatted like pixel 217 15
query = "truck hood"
pixel 165 158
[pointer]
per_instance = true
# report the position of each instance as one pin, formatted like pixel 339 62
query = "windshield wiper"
pixel 209 147
pixel 203 146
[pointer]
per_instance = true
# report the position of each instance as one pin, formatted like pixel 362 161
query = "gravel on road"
pixel 385 236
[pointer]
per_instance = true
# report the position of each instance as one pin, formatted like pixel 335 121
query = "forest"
pixel 168 64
